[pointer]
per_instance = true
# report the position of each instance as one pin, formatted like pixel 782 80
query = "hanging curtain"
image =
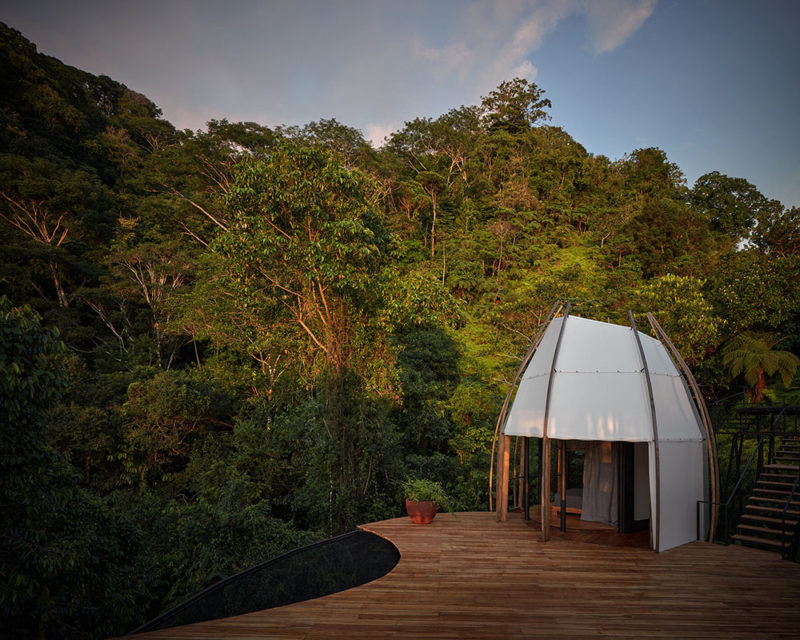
pixel 600 488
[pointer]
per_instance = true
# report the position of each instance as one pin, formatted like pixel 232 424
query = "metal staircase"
pixel 772 513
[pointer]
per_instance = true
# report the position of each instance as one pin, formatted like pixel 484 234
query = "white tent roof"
pixel 599 390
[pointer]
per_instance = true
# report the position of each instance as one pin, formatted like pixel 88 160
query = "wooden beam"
pixel 546 489
pixel 503 490
pixel 514 474
pixel 526 480
pixel 500 477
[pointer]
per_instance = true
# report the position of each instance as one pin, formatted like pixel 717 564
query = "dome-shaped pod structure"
pixel 617 395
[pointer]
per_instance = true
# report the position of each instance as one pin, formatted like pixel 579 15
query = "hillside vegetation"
pixel 222 344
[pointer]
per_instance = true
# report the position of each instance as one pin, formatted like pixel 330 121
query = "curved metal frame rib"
pixel 501 419
pixel 545 467
pixel 713 460
pixel 646 372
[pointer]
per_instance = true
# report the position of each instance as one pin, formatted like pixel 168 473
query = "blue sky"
pixel 714 83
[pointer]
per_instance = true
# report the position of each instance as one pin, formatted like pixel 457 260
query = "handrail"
pixel 759 446
pixel 787 552
pixel 728 397
pixel 777 413
pixel 775 419
pixel 726 504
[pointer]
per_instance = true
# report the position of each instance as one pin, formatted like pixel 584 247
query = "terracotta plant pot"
pixel 421 512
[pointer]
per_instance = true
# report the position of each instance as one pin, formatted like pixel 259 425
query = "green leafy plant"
pixel 422 490
pixel 753 356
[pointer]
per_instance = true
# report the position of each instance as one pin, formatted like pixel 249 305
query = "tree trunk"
pixel 433 224
pixel 62 296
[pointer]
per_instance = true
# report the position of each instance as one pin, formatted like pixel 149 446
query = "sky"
pixel 714 83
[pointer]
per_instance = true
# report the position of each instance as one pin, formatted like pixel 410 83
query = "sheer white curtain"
pixel 600 486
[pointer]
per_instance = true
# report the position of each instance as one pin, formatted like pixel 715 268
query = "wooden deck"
pixel 471 577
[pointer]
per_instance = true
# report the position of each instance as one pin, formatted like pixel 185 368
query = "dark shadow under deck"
pixel 313 571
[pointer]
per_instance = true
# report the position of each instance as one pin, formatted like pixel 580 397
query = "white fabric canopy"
pixel 598 391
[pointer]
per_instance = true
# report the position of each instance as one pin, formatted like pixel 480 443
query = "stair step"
pixel 775 500
pixel 773 495
pixel 767 531
pixel 790 514
pixel 769 486
pixel 777 483
pixel 783 467
pixel 771 521
pixel 752 540
pixel 777 477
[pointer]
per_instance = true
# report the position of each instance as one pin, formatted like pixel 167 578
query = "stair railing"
pixel 790 551
pixel 724 506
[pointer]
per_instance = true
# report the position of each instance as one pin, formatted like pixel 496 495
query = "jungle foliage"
pixel 218 345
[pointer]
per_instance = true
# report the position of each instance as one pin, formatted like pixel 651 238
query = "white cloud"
pixel 379 62
pixel 511 59
pixel 377 133
pixel 493 42
pixel 613 21
pixel 454 58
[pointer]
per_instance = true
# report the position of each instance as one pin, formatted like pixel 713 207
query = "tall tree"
pixel 304 240
pixel 51 207
pixel 778 231
pixel 681 308
pixel 732 205
pixel 514 106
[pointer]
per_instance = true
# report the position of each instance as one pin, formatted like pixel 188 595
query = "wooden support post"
pixel 539 466
pixel 502 494
pixel 526 481
pixel 514 476
pixel 545 489
pixel 500 481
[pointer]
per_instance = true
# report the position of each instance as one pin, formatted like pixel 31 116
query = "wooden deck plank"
pixel 472 577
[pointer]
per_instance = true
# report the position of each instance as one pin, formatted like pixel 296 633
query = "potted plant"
pixel 423 499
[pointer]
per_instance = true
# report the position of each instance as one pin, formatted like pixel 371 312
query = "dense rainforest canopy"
pixel 221 344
